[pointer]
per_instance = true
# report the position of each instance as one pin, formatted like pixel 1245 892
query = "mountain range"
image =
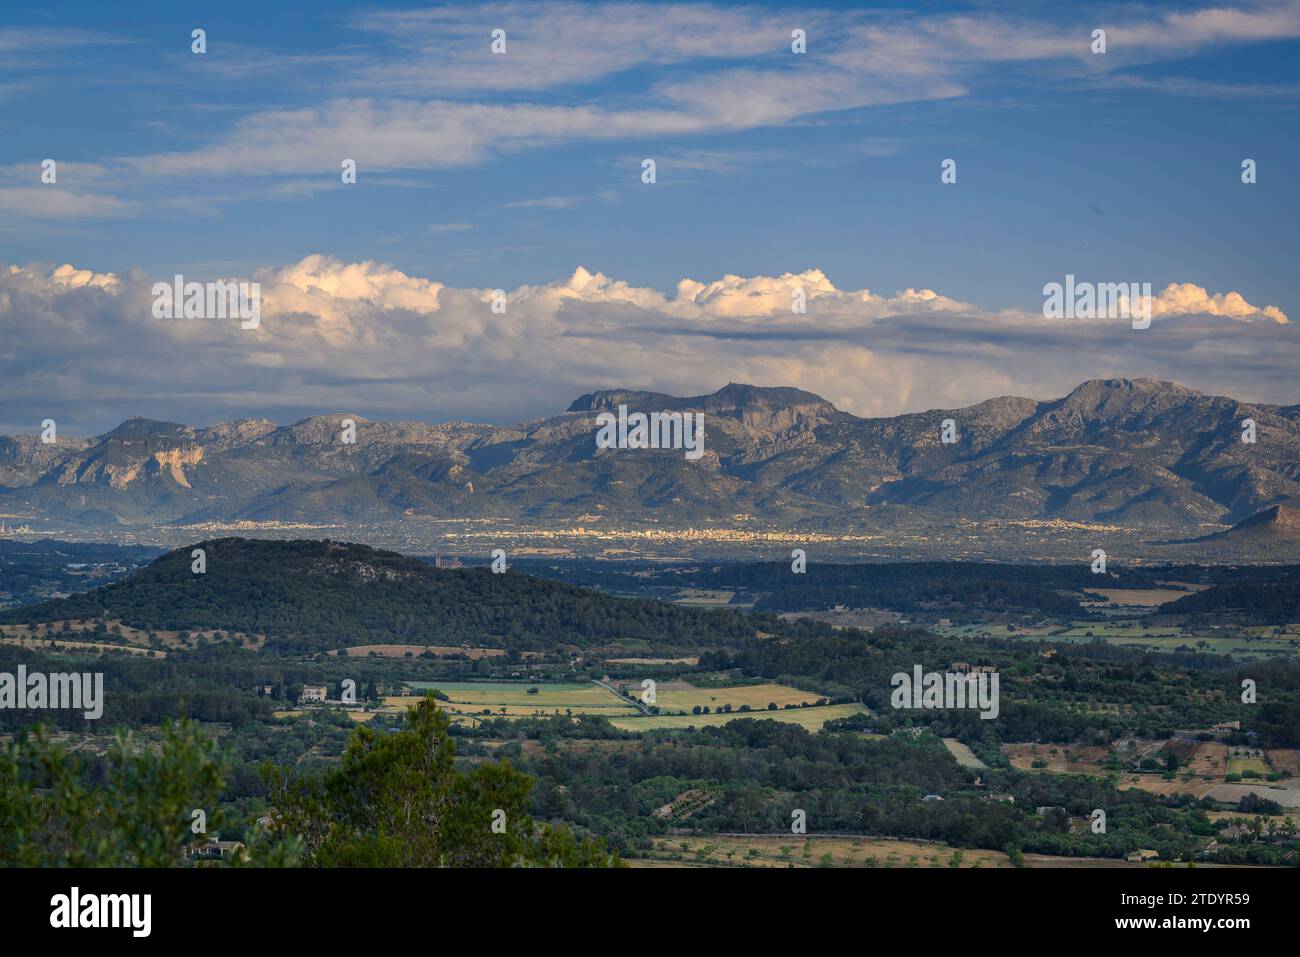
pixel 1138 453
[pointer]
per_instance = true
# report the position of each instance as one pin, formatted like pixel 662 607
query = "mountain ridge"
pixel 1134 452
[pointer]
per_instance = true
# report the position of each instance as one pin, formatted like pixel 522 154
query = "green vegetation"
pixel 810 718
pixel 1088 693
pixel 306 596
pixel 392 799
pixel 397 800
pixel 745 778
pixel 761 715
pixel 909 586
pixel 1269 596
pixel 472 700
pixel 59 809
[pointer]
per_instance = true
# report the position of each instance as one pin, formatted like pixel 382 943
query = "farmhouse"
pixel 215 849
pixel 312 694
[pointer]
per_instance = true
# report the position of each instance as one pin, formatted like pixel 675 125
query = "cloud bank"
pixel 84 347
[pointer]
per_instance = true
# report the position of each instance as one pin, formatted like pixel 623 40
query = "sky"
pixel 522 171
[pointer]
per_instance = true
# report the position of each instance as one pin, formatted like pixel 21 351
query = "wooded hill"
pixel 308 596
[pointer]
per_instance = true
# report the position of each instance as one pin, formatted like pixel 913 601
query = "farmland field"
pixel 73 647
pixel 1146 597
pixel 34 636
pixel 468 700
pixel 964 755
pixel 512 698
pixel 1061 759
pixel 411 651
pixel 1255 765
pixel 681 696
pixel 1286 760
pixel 810 719
pixel 1285 792
pixel 811 850
pixel 703 596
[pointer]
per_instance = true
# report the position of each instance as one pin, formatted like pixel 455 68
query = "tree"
pixel 397 800
pixel 52 814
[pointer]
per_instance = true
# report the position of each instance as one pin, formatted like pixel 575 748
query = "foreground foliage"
pixel 393 800
pixel 134 808
pixel 397 800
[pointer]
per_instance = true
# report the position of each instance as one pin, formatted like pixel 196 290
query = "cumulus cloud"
pixel 74 278
pixel 1185 299
pixel 766 296
pixel 325 280
pixel 84 347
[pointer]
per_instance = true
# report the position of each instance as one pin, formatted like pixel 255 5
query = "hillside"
pixel 1268 596
pixel 1279 525
pixel 911 586
pixel 309 596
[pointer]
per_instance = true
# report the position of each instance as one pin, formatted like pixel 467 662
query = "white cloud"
pixel 74 278
pixel 550 44
pixel 28 40
pixel 373 339
pixel 322 287
pixel 710 69
pixel 53 201
pixel 543 202
pixel 1185 299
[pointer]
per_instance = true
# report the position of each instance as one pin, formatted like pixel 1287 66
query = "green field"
pixel 672 697
pixel 467 700
pixel 964 755
pixel 810 719
pixel 702 596
pixel 1240 765
pixel 511 698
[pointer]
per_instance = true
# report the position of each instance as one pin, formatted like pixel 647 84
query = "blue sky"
pixel 511 171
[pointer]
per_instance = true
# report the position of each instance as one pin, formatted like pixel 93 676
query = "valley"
pixel 681 712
